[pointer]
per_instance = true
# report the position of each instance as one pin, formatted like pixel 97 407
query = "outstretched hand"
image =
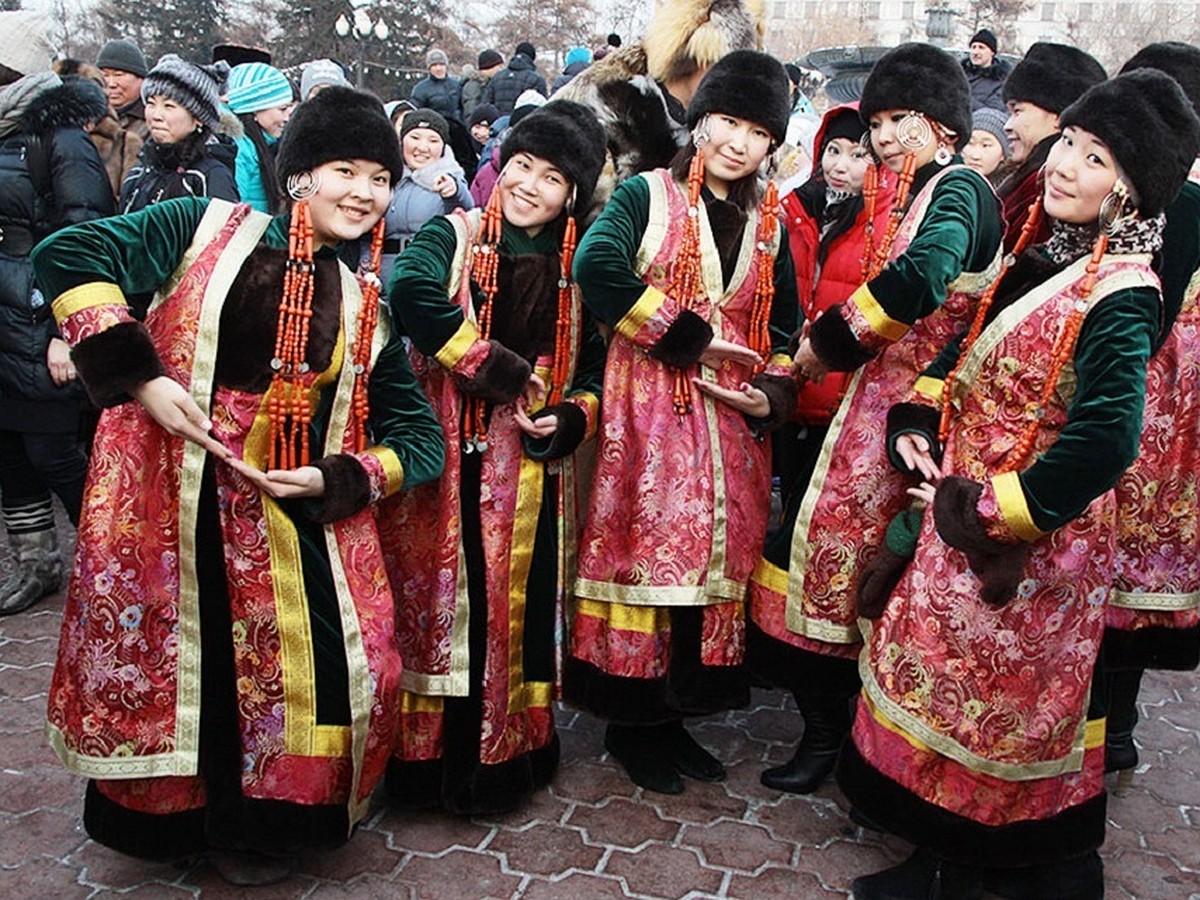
pixel 172 407
pixel 746 399
pixel 916 453
pixel 720 351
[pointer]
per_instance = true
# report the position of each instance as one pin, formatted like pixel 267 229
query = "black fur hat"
pixel 1150 127
pixel 1052 76
pixel 1179 60
pixel 567 134
pixel 746 84
pixel 923 78
pixel 338 123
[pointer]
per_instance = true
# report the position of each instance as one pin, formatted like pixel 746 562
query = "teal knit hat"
pixel 253 87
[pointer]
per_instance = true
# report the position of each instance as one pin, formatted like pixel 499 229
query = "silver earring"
pixel 914 132
pixel 700 135
pixel 303 185
pixel 1113 212
pixel 943 155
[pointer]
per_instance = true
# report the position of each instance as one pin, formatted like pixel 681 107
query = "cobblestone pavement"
pixel 592 834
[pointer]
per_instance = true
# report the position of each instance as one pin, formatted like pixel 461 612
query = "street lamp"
pixel 361 27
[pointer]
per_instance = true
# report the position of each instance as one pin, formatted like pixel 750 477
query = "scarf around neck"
pixel 1070 242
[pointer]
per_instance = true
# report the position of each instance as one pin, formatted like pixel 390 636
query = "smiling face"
pixel 1080 172
pixel 422 146
pixel 354 194
pixel 167 120
pixel 736 148
pixel 533 192
pixel 272 120
pixel 844 163
pixel 885 138
pixel 1027 126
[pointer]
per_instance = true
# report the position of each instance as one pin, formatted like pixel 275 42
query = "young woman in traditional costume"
pixel 917 294
pixel 227 671
pixel 688 267
pixel 482 561
pixel 1154 611
pixel 973 736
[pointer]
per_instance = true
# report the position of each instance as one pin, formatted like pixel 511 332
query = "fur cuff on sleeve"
pixel 781 394
pixel 834 342
pixel 998 566
pixel 883 572
pixel 912 418
pixel 347 489
pixel 500 378
pixel 683 342
pixel 115 361
pixel 572 428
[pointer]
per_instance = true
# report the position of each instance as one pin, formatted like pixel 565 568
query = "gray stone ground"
pixel 592 834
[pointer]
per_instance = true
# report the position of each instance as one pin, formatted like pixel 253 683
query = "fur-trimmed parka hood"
pixel 72 104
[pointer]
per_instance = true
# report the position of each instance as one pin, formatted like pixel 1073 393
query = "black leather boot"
pixel 1120 754
pixel 826 726
pixel 688 757
pixel 922 876
pixel 647 762
pixel 1077 878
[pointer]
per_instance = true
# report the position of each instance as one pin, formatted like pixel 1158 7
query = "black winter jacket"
pixel 76 189
pixel 201 165
pixel 511 82
pixel 987 83
pixel 442 95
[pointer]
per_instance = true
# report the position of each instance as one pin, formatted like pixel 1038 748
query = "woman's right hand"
pixel 172 407
pixel 719 351
pixel 914 450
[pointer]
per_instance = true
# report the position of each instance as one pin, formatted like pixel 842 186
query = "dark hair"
pixel 743 193
pixel 8 76
pixel 266 162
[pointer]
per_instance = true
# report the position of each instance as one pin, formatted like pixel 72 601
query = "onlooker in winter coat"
pixel 432 184
pixel 261 97
pixel 985 72
pixel 489 160
pixel 987 150
pixel 515 79
pixel 489 63
pixel 480 125
pixel 124 68
pixel 184 156
pixel 578 59
pixel 439 91
pixel 118 148
pixel 50 176
pixel 321 73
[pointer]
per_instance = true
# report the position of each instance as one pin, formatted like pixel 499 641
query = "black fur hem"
pixel 115 361
pixel 835 344
pixel 488 790
pixel 806 674
pixel 912 418
pixel 572 428
pixel 161 838
pixel 781 394
pixel 347 488
pixel 652 701
pixel 682 343
pixel 1176 649
pixel 1072 832
pixel 500 378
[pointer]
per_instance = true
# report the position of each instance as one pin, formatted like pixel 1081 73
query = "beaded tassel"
pixel 764 285
pixel 562 324
pixel 685 274
pixel 895 216
pixel 288 408
pixel 485 268
pixel 364 334
pixel 1033 218
pixel 870 203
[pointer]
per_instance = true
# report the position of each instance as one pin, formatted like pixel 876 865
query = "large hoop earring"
pixel 943 155
pixel 700 135
pixel 914 132
pixel 1113 211
pixel 303 185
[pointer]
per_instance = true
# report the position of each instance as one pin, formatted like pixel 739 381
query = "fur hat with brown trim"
pixel 1148 123
pixel 569 136
pixel 746 84
pixel 922 78
pixel 1052 76
pixel 1179 60
pixel 338 123
pixel 688 35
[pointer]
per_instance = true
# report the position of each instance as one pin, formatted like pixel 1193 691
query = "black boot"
pixel 688 757
pixel 1077 878
pixel 826 726
pixel 641 751
pixel 1120 754
pixel 922 876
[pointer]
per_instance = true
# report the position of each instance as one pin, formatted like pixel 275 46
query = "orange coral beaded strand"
pixel 364 335
pixel 764 285
pixel 870 204
pixel 288 410
pixel 484 269
pixel 895 216
pixel 561 366
pixel 685 274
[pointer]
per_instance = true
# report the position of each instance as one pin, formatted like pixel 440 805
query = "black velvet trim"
pixel 809 676
pixel 347 488
pixel 877 580
pixel 781 394
pixel 115 361
pixel 162 838
pixel 500 378
pixel 683 342
pixel 912 418
pixel 1030 842
pixel 1176 649
pixel 572 428
pixel 835 344
pixel 997 565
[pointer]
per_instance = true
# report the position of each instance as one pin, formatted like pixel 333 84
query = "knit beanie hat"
pixel 26 47
pixel 578 55
pixel 923 78
pixel 124 56
pixel 746 84
pixel 566 134
pixel 1148 123
pixel 436 57
pixel 252 87
pixel 1052 76
pixel 484 112
pixel 426 118
pixel 321 72
pixel 992 121
pixel 1179 60
pixel 196 88
pixel 984 36
pixel 844 124
pixel 527 49
pixel 338 123
pixel 489 58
